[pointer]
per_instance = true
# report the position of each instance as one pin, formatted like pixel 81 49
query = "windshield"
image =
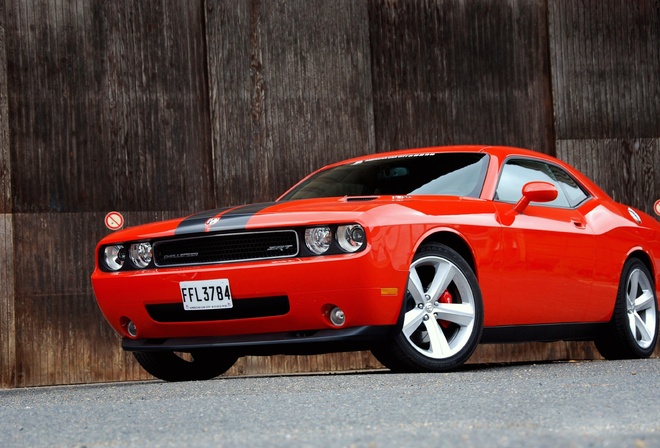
pixel 452 174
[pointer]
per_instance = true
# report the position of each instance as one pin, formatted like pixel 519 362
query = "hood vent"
pixel 359 198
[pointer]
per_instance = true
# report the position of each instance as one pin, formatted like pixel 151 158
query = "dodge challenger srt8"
pixel 417 255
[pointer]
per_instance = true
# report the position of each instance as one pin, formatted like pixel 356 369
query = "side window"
pixel 574 193
pixel 517 172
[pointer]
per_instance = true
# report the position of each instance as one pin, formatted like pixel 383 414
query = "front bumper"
pixel 301 291
pixel 289 343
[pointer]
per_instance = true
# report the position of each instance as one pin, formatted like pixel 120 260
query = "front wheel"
pixel 195 366
pixel 442 315
pixel 633 330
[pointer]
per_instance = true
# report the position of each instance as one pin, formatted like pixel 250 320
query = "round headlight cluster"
pixel 349 238
pixel 141 254
pixel 115 256
pixel 318 239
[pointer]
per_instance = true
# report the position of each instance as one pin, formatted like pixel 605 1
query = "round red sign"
pixel 656 207
pixel 114 221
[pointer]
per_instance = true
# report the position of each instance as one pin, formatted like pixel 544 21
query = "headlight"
pixel 350 238
pixel 141 254
pixel 318 239
pixel 114 257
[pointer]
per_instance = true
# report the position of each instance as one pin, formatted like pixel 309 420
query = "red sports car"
pixel 416 255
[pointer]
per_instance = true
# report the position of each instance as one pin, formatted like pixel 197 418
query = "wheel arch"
pixel 644 258
pixel 456 242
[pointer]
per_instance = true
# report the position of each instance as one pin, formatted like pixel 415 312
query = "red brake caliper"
pixel 445 298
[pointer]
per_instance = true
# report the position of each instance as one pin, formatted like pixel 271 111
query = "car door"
pixel 548 248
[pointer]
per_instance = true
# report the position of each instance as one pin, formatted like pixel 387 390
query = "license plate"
pixel 206 294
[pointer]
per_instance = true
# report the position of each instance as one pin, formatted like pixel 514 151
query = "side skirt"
pixel 542 333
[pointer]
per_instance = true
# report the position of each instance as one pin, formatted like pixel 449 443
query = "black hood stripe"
pixel 229 218
pixel 192 223
pixel 237 218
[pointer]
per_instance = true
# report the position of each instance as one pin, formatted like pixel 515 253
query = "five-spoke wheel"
pixel 442 314
pixel 633 330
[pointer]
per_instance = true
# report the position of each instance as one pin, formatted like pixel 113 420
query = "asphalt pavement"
pixel 571 404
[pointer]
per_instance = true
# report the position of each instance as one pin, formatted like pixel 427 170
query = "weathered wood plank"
pixel 318 68
pixel 534 352
pixel 62 338
pixel 7 318
pixel 7 314
pixel 627 169
pixel 258 365
pixel 289 86
pixel 5 159
pixel 108 101
pixel 461 72
pixel 606 68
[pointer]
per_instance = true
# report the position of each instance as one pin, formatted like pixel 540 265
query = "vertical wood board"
pixel 278 364
pixel 7 320
pixel 461 72
pixel 319 73
pixel 627 169
pixel 108 106
pixel 605 68
pixel 7 307
pixel 61 336
pixel 5 159
pixel 289 92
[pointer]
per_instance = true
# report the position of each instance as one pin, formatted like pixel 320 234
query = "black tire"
pixel 633 330
pixel 169 366
pixel 439 329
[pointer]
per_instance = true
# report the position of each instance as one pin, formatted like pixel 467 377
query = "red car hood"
pixel 303 212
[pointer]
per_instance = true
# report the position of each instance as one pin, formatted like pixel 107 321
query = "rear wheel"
pixel 442 315
pixel 197 365
pixel 633 330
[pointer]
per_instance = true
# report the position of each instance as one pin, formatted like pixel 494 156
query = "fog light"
pixel 131 329
pixel 337 317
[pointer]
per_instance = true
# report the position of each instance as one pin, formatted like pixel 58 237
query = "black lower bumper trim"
pixel 242 309
pixel 293 343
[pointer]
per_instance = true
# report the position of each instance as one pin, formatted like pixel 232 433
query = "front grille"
pixel 226 248
pixel 243 309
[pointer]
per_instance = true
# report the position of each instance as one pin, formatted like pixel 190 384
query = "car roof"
pixel 498 151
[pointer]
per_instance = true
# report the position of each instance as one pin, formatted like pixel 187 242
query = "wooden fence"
pixel 159 109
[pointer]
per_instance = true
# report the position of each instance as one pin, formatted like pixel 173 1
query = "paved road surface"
pixel 559 404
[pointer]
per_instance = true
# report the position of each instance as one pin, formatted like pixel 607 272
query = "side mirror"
pixel 536 192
